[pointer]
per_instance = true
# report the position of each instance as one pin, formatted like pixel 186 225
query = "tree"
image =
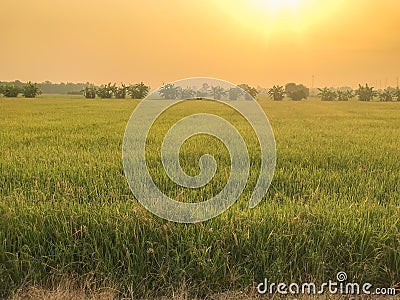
pixel 217 92
pixel 365 93
pixel 344 95
pixel 187 93
pixel 10 90
pixel 120 92
pixel 296 92
pixel 327 94
pixel 234 93
pixel 386 95
pixel 31 90
pixel 62 88
pixel 204 90
pixel 169 91
pixel 106 91
pixel 251 92
pixel 89 91
pixel 138 90
pixel 396 94
pixel 277 92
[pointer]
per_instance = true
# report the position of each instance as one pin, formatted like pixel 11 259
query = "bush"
pixel 297 92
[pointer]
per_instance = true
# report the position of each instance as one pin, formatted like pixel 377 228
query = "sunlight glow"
pixel 270 17
pixel 276 5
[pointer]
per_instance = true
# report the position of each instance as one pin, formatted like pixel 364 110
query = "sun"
pixel 277 17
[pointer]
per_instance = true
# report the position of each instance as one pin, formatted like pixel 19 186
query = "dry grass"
pixel 64 292
pixel 68 290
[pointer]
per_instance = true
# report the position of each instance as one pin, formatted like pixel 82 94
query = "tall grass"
pixel 66 209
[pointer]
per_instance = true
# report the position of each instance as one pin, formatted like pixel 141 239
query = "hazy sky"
pixel 260 42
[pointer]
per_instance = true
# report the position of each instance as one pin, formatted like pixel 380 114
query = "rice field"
pixel 67 213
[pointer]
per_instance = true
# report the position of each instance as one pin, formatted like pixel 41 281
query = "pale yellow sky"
pixel 259 42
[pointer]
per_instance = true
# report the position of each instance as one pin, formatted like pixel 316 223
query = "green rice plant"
pixel 66 210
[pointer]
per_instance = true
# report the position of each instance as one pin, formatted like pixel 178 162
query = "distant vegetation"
pixel 242 91
pixel 48 87
pixel 88 90
pixel 293 91
pixel 363 93
pixel 28 90
pixel 108 91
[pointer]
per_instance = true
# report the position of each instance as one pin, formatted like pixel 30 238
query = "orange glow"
pixel 260 42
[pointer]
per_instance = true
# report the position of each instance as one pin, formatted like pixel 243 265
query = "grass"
pixel 66 210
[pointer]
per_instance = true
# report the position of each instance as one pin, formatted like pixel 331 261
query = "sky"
pixel 258 42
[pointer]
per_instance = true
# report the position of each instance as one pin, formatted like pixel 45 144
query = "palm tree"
pixel 217 92
pixel 396 94
pixel 250 92
pixel 31 90
pixel 234 93
pixel 187 93
pixel 386 95
pixel 120 92
pixel 89 91
pixel 138 90
pixel 344 95
pixel 277 92
pixel 106 91
pixel 10 90
pixel 327 94
pixel 169 91
pixel 365 93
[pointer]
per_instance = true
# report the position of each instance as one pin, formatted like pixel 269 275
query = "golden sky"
pixel 259 42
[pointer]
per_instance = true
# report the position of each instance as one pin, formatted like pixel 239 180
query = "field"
pixel 66 211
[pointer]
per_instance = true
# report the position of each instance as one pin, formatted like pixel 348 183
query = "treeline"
pixel 363 93
pixel 108 91
pixel 90 91
pixel 293 91
pixel 48 87
pixel 170 91
pixel 243 91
